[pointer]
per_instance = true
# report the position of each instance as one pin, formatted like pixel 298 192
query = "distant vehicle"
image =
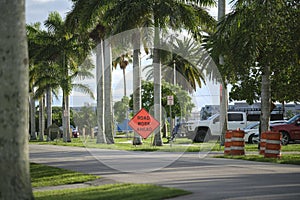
pixel 252 131
pixel 203 130
pixel 75 133
pixel 290 131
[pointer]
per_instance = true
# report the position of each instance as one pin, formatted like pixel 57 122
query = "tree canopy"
pixel 255 35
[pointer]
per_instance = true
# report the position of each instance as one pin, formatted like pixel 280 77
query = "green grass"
pixel 179 145
pixel 113 192
pixel 42 175
pixel 285 158
pixel 285 148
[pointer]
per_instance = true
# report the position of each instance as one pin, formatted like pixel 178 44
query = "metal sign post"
pixel 170 102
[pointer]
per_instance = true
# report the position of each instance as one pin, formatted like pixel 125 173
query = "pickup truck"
pixel 203 130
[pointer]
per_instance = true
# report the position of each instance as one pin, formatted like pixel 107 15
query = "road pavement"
pixel 205 176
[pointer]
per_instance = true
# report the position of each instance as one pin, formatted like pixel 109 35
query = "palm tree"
pixel 137 82
pixel 123 61
pixel 15 178
pixel 100 94
pixel 109 126
pixel 223 87
pixel 87 16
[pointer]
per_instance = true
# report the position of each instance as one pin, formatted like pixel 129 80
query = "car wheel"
pixel 200 135
pixel 285 138
pixel 250 139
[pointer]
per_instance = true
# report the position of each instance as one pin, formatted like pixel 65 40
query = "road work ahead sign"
pixel 143 123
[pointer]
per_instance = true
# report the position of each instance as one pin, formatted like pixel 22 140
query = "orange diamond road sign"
pixel 143 123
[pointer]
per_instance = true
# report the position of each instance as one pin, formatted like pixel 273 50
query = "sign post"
pixel 170 102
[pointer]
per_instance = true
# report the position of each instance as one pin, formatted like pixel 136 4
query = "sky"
pixel 38 11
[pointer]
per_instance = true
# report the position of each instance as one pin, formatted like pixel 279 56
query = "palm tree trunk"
pixel 124 82
pixel 41 118
pixel 108 92
pixel 223 92
pixel 66 102
pixel 66 117
pixel 68 130
pixel 223 111
pixel 221 9
pixel 157 86
pixel 100 93
pixel 49 107
pixel 32 118
pixel 14 157
pixel 137 84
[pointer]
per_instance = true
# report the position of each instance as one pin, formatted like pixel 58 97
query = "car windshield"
pixel 293 119
pixel 253 126
pixel 212 117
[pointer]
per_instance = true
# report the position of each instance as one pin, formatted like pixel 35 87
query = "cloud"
pixel 38 10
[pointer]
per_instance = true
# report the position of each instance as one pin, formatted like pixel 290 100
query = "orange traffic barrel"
pixel 237 143
pixel 227 143
pixel 262 143
pixel 273 145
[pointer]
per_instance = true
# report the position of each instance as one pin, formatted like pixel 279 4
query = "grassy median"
pixel 179 145
pixel 290 153
pixel 284 159
pixel 113 192
pixel 42 176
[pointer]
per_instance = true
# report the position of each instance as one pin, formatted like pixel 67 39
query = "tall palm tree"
pixel 100 93
pixel 223 86
pixel 87 16
pixel 123 61
pixel 137 82
pixel 15 178
pixel 109 125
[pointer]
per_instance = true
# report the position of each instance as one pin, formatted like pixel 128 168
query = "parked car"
pixel 290 131
pixel 75 133
pixel 252 131
pixel 203 130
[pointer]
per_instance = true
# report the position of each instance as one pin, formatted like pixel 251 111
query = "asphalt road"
pixel 206 177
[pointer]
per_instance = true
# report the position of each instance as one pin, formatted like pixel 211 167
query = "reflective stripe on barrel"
pixel 263 139
pixel 227 144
